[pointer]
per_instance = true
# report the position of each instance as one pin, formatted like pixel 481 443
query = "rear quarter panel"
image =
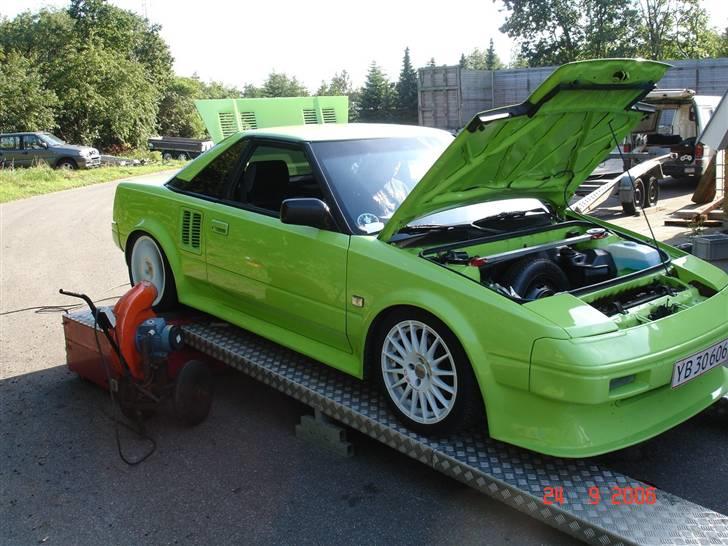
pixel 153 209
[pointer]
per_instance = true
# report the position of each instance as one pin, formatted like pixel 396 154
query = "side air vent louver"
pixel 309 116
pixel 247 121
pixel 227 123
pixel 191 231
pixel 329 115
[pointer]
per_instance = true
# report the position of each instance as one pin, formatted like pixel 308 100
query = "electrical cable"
pixel 116 421
pixel 42 309
pixel 634 190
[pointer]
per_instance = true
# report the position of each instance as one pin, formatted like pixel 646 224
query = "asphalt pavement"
pixel 240 477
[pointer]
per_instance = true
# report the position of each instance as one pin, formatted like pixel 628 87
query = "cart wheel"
pixel 193 393
pixel 129 403
pixel 652 195
pixel 638 196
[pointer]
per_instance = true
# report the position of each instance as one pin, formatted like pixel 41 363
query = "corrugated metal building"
pixel 450 96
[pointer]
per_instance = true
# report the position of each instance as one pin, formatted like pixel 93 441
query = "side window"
pixel 273 174
pixel 31 142
pixel 212 180
pixel 10 143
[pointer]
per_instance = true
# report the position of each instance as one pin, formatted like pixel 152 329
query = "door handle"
pixel 219 227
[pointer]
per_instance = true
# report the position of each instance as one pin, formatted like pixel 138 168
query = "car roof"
pixel 21 133
pixel 344 131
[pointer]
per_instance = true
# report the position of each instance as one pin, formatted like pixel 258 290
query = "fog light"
pixel 621 381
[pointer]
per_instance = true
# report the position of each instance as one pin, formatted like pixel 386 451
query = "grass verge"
pixel 20 183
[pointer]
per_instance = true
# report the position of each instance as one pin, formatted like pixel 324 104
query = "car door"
pixel 11 152
pixel 35 150
pixel 290 276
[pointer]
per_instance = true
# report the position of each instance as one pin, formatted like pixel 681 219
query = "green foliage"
pixel 177 113
pixel 552 32
pixel 339 85
pixel 478 59
pixel 107 67
pixel 378 97
pixel 406 89
pixel 25 104
pixel 279 84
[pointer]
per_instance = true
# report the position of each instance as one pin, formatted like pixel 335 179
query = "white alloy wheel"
pixel 419 372
pixel 147 265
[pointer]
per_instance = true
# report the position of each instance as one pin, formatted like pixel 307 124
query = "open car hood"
pixel 544 147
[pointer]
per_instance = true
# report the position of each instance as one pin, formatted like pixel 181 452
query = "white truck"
pixel 678 138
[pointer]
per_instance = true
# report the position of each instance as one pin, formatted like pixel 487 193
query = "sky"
pixel 242 42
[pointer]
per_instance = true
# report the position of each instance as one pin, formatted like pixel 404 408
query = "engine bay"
pixel 624 278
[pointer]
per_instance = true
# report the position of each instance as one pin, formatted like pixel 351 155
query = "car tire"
pixel 652 195
pixel 182 156
pixel 167 156
pixel 148 262
pixel 536 278
pixel 193 391
pixel 431 387
pixel 638 199
pixel 67 164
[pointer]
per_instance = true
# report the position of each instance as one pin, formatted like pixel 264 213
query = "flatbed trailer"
pixel 636 188
pixel 560 492
pixel 178 147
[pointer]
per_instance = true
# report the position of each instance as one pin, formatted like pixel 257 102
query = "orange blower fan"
pixel 148 362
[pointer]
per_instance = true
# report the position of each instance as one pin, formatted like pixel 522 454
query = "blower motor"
pixel 162 338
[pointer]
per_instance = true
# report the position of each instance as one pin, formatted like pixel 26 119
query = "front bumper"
pixel 579 403
pixel 88 162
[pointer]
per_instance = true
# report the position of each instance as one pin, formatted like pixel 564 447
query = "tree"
pixel 108 68
pixel 463 62
pixel 492 60
pixel 557 31
pixel 377 96
pixel 279 84
pixel 674 29
pixel 340 85
pixel 177 114
pixel 407 91
pixel 431 63
pixel 112 104
pixel 25 104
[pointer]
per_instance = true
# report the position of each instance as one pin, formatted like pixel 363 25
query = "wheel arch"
pixel 454 323
pixel 65 158
pixel 162 238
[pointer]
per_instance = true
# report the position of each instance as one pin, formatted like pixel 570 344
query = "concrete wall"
pixel 450 96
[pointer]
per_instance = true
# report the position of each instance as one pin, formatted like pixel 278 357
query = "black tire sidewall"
pixel 523 273
pixel 194 376
pixel 468 401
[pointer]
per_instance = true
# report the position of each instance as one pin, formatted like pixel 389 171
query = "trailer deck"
pixel 529 482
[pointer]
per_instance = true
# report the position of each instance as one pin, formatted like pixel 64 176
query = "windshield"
pixel 52 139
pixel 372 177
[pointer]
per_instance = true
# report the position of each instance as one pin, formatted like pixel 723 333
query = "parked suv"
pixel 27 149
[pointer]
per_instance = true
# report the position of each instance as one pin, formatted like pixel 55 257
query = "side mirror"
pixel 306 211
pixel 43 144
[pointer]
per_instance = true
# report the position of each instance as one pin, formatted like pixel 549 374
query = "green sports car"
pixel 450 271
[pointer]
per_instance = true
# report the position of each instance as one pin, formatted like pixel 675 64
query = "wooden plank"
pixel 705 192
pixel 684 222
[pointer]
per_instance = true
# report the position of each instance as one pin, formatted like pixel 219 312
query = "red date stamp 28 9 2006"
pixel 614 495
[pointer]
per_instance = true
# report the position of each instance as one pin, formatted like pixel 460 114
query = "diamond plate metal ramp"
pixel 515 476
